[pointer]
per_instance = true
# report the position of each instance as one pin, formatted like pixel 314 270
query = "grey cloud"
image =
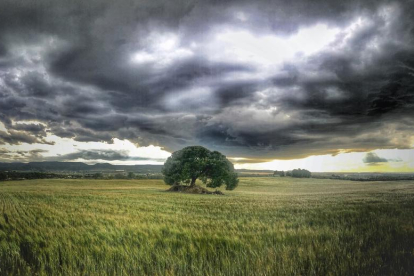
pixel 373 158
pixel 108 155
pixel 67 65
pixel 89 155
pixel 33 128
pixel 13 137
pixel 21 155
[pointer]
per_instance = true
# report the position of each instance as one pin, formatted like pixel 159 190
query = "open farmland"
pixel 267 226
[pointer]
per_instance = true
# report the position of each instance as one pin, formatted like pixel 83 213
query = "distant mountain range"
pixel 82 167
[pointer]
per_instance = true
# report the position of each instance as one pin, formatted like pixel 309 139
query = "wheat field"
pixel 267 226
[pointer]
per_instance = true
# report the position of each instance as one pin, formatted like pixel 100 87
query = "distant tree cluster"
pixel 279 173
pixel 301 173
pixel 122 175
pixel 14 175
pixel 365 176
pixel 19 175
pixel 3 176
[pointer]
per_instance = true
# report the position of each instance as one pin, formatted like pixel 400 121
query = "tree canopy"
pixel 191 163
pixel 301 173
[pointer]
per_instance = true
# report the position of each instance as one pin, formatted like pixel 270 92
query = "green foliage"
pixel 267 226
pixel 279 173
pixel 98 175
pixel 3 176
pixel 17 175
pixel 301 173
pixel 120 176
pixel 131 175
pixel 192 163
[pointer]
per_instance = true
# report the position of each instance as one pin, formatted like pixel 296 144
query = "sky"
pixel 321 85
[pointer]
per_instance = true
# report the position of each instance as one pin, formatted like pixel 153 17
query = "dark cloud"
pixel 13 137
pixel 109 155
pixel 72 65
pixel 88 155
pixel 21 155
pixel 372 158
pixel 33 128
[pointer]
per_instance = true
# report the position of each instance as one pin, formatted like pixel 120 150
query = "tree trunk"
pixel 193 180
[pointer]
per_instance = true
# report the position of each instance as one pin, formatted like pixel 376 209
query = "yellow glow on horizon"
pixel 398 161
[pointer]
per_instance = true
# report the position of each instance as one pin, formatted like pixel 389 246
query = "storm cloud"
pixel 262 80
pixel 21 155
pixel 373 158
pixel 99 154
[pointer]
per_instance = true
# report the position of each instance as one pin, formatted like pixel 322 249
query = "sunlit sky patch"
pixel 269 50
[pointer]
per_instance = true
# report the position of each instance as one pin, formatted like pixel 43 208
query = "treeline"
pixel 299 173
pixel 28 175
pixel 129 175
pixel 253 175
pixel 366 177
pixel 78 167
pixel 16 175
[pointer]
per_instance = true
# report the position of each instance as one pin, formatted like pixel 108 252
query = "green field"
pixel 267 226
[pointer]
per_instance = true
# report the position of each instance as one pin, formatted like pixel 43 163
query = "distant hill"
pixel 77 167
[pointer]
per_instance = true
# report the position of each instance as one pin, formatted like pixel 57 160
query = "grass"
pixel 267 226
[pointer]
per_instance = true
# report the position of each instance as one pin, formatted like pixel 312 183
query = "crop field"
pixel 267 226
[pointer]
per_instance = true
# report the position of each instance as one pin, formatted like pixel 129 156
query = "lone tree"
pixel 191 163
